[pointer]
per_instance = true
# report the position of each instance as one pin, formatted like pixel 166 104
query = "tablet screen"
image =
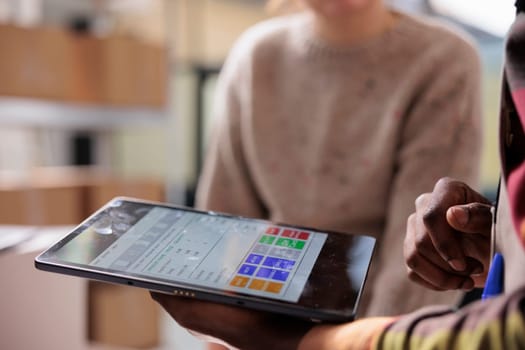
pixel 219 252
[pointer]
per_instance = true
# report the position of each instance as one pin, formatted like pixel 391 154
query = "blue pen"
pixel 494 283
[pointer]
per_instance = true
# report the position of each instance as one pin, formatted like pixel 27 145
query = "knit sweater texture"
pixel 345 139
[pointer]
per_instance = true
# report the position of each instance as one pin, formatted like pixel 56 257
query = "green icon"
pixel 290 243
pixel 267 239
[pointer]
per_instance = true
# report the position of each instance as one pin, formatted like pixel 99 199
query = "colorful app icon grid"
pixel 270 263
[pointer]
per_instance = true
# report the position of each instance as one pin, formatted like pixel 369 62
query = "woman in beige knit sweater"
pixel 336 118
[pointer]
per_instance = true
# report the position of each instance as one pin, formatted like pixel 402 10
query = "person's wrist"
pixel 318 337
pixel 358 335
pixel 382 324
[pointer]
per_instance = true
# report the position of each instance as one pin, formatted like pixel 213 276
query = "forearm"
pixel 493 324
pixel 358 335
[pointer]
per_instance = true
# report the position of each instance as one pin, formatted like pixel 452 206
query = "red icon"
pixel 296 234
pixel 273 230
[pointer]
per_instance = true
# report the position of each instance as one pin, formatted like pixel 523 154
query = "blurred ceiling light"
pixel 491 16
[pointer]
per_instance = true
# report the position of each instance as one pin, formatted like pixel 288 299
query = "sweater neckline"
pixel 316 46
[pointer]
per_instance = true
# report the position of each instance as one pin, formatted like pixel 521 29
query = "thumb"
pixel 470 218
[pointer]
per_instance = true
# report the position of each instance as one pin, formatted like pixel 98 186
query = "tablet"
pixel 297 271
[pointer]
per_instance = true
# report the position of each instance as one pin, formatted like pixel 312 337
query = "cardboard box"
pixel 118 71
pixel 34 63
pixel 87 70
pixel 123 316
pixel 41 205
pixel 41 198
pixel 104 188
pixel 152 75
pixel 54 63
pixel 134 72
pixel 40 310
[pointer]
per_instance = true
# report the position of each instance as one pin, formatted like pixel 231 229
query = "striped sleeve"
pixel 497 323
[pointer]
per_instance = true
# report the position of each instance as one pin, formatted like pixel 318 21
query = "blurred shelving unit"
pixel 26 112
pixel 85 67
pixel 63 81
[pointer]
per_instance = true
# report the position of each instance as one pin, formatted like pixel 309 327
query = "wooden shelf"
pixel 26 112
